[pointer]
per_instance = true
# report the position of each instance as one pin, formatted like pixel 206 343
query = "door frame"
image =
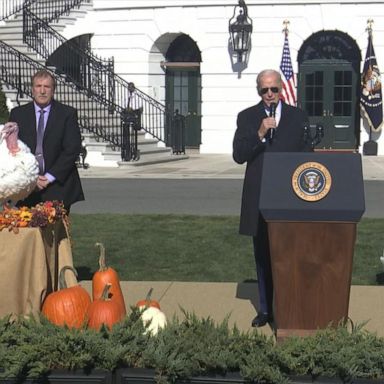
pixel 192 117
pixel 328 119
pixel 329 47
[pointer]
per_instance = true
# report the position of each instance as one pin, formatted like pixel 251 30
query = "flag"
pixel 371 100
pixel 288 94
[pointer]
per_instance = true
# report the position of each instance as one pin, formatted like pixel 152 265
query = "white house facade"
pixel 179 53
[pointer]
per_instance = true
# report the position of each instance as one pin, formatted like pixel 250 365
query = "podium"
pixel 311 203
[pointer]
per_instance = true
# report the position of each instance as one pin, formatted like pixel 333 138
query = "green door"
pixel 183 93
pixel 327 91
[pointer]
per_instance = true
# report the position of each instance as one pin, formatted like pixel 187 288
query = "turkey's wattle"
pixel 10 132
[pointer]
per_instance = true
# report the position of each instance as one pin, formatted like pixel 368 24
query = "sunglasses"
pixel 272 89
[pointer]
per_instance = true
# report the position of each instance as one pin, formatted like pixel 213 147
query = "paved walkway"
pixel 218 300
pixel 237 300
pixel 199 166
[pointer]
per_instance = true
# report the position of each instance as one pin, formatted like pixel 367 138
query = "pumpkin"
pixel 68 306
pixel 107 275
pixel 153 319
pixel 104 311
pixel 148 302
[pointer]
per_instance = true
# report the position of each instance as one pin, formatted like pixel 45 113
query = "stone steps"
pixel 99 153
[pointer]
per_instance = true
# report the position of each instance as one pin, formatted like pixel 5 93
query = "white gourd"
pixel 155 319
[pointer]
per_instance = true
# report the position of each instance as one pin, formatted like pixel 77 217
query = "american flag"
pixel 288 94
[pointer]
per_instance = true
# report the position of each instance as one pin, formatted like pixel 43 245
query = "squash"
pixel 68 306
pixel 107 275
pixel 104 311
pixel 148 302
pixel 153 319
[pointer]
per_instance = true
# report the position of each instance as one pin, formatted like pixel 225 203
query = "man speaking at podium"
pixel 269 126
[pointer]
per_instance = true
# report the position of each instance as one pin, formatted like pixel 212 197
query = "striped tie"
pixel 39 142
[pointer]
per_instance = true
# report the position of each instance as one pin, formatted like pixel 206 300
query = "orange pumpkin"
pixel 148 302
pixel 104 311
pixel 68 306
pixel 107 275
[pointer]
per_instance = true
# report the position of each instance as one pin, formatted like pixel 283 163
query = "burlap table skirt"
pixel 30 261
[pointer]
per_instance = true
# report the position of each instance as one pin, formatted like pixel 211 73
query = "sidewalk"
pixel 200 166
pixel 237 300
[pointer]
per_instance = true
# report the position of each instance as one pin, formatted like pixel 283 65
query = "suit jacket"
pixel 61 147
pixel 247 147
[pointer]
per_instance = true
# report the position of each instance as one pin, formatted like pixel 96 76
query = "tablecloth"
pixel 30 261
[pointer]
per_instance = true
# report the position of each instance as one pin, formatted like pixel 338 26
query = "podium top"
pixel 312 187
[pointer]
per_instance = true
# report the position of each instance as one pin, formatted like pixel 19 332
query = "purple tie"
pixel 39 142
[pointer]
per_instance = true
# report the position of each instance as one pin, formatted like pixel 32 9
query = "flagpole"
pixel 371 97
pixel 285 29
pixel 369 30
pixel 288 94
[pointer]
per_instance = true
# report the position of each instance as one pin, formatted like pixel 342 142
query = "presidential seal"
pixel 311 181
pixel 371 82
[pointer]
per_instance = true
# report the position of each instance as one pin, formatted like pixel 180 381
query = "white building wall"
pixel 136 34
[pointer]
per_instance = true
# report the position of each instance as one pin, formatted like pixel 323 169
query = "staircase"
pixel 26 47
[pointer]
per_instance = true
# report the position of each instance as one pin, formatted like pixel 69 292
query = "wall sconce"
pixel 240 29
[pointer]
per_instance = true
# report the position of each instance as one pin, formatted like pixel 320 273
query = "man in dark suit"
pixel 269 126
pixel 51 131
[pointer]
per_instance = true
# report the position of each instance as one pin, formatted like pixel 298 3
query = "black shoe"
pixel 261 319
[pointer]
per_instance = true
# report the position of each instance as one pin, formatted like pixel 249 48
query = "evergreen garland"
pixel 185 348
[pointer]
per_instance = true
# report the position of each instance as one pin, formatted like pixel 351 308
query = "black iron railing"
pixel 94 79
pixel 10 7
pixel 51 10
pixel 88 71
pixel 96 75
pixel 16 71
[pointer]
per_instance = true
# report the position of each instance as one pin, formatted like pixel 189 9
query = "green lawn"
pixel 191 248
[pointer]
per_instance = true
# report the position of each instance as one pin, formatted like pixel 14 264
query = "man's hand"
pixel 42 182
pixel 267 124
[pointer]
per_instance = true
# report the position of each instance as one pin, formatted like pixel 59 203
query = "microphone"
pixel 272 113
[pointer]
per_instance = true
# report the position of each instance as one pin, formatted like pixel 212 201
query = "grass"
pixel 191 248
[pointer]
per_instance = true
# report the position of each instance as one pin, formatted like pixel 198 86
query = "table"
pixel 29 264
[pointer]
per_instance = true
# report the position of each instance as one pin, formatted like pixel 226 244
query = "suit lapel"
pixel 30 116
pixel 283 115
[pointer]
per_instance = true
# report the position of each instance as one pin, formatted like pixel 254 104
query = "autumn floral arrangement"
pixel 42 214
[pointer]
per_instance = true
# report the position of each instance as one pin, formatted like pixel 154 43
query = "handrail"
pixel 51 10
pixel 44 40
pixel 95 80
pixel 96 77
pixel 9 7
pixel 16 71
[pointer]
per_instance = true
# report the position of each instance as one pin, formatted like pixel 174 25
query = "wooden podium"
pixel 311 203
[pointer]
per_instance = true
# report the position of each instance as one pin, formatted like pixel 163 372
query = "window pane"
pixel 347 109
pixel 318 109
pixel 319 78
pixel 319 93
pixel 309 93
pixel 310 79
pixel 337 109
pixel 347 77
pixel 338 93
pixel 338 78
pixel 347 94
pixel 309 108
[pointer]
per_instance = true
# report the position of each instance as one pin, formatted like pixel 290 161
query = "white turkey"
pixel 18 166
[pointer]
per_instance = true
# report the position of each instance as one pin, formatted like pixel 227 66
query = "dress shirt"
pixel 277 113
